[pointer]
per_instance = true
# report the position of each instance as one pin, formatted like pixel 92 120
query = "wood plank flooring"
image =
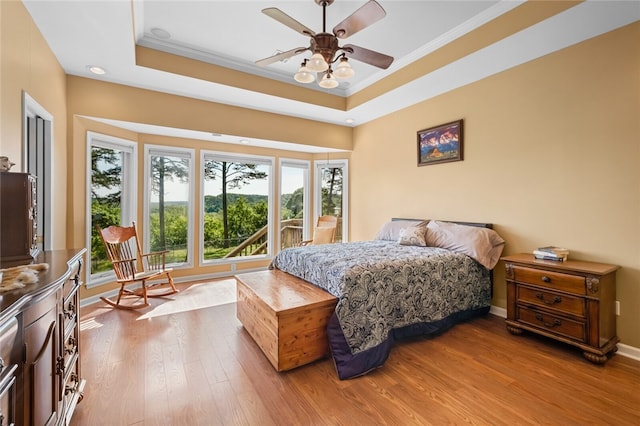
pixel 186 360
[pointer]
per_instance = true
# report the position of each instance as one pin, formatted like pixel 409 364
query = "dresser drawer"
pixel 553 323
pixel 551 280
pixel 562 303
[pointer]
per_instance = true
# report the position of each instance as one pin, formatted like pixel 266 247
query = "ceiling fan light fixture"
pixel 344 70
pixel 324 45
pixel 304 75
pixel 317 63
pixel 328 81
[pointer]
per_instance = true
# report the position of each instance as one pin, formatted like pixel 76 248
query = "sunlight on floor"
pixel 194 296
pixel 89 324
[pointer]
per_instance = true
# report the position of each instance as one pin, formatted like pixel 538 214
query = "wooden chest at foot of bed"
pixel 286 316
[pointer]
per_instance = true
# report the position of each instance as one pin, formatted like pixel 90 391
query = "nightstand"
pixel 570 301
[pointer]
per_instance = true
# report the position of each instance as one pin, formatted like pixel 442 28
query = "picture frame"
pixel 440 144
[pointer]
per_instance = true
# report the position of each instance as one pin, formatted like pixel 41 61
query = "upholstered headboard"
pixel 478 224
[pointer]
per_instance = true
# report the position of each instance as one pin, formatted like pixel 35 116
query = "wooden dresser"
pixel 18 217
pixel 40 377
pixel 570 301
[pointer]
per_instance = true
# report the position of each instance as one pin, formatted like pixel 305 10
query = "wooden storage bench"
pixel 286 316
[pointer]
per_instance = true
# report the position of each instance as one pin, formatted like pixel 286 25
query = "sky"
pixel 292 178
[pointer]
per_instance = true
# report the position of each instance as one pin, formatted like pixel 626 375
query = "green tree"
pixel 106 192
pixel 295 204
pixel 332 190
pixel 106 174
pixel 241 219
pixel 163 169
pixel 232 176
pixel 212 229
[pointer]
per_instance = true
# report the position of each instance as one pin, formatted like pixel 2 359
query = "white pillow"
pixel 413 236
pixel 482 244
pixel 390 231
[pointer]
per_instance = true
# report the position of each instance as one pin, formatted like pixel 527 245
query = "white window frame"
pixel 318 166
pixel 128 206
pixel 31 109
pixel 305 165
pixel 169 151
pixel 238 158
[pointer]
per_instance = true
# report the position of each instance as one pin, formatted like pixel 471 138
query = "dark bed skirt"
pixel 349 366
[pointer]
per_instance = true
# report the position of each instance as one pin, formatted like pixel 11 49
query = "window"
pixel 294 196
pixel 36 155
pixel 169 195
pixel 236 207
pixel 331 193
pixel 111 186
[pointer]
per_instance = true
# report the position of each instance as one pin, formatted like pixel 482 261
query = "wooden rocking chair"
pixel 123 248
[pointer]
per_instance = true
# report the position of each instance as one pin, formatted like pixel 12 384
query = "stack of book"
pixel 551 253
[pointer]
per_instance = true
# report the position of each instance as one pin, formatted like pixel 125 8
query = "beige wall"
pixel 27 64
pixel 551 148
pixel 551 156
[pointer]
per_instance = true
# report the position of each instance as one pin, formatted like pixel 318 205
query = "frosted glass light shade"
pixel 317 63
pixel 304 75
pixel 328 81
pixel 344 70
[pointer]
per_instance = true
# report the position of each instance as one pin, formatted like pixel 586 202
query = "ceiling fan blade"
pixel 281 56
pixel 368 14
pixel 367 56
pixel 287 20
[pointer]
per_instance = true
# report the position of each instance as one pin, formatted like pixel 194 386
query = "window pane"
pixel 292 204
pixel 332 179
pixel 169 206
pixel 106 200
pixel 236 208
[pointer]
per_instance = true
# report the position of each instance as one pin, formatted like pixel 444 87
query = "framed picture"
pixel 440 144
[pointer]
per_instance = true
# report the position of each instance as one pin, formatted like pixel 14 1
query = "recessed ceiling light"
pixel 349 121
pixel 160 33
pixel 244 141
pixel 96 69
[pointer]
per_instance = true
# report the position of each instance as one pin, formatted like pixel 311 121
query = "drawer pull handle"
pixel 546 279
pixel 556 299
pixel 556 322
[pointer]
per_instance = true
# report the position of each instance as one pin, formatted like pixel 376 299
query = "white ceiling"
pixel 235 34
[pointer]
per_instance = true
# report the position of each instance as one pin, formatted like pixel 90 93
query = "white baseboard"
pixel 499 312
pixel 624 350
pixel 629 351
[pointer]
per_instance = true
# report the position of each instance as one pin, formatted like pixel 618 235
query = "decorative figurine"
pixel 5 164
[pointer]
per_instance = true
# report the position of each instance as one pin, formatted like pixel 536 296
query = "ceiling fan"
pixel 325 47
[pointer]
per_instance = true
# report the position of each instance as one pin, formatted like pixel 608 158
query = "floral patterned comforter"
pixel 383 286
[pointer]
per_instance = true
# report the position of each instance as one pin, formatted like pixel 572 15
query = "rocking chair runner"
pixel 119 241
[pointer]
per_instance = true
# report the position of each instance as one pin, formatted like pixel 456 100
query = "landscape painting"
pixel 440 144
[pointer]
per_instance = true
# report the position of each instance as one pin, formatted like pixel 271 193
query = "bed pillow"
pixel 482 244
pixel 413 236
pixel 390 231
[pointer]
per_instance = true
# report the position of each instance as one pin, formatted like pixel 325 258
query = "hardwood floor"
pixel 186 360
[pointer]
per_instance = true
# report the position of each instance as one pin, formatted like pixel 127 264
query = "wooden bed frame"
pixel 477 224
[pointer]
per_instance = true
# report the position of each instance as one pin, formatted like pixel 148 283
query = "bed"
pixel 415 278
